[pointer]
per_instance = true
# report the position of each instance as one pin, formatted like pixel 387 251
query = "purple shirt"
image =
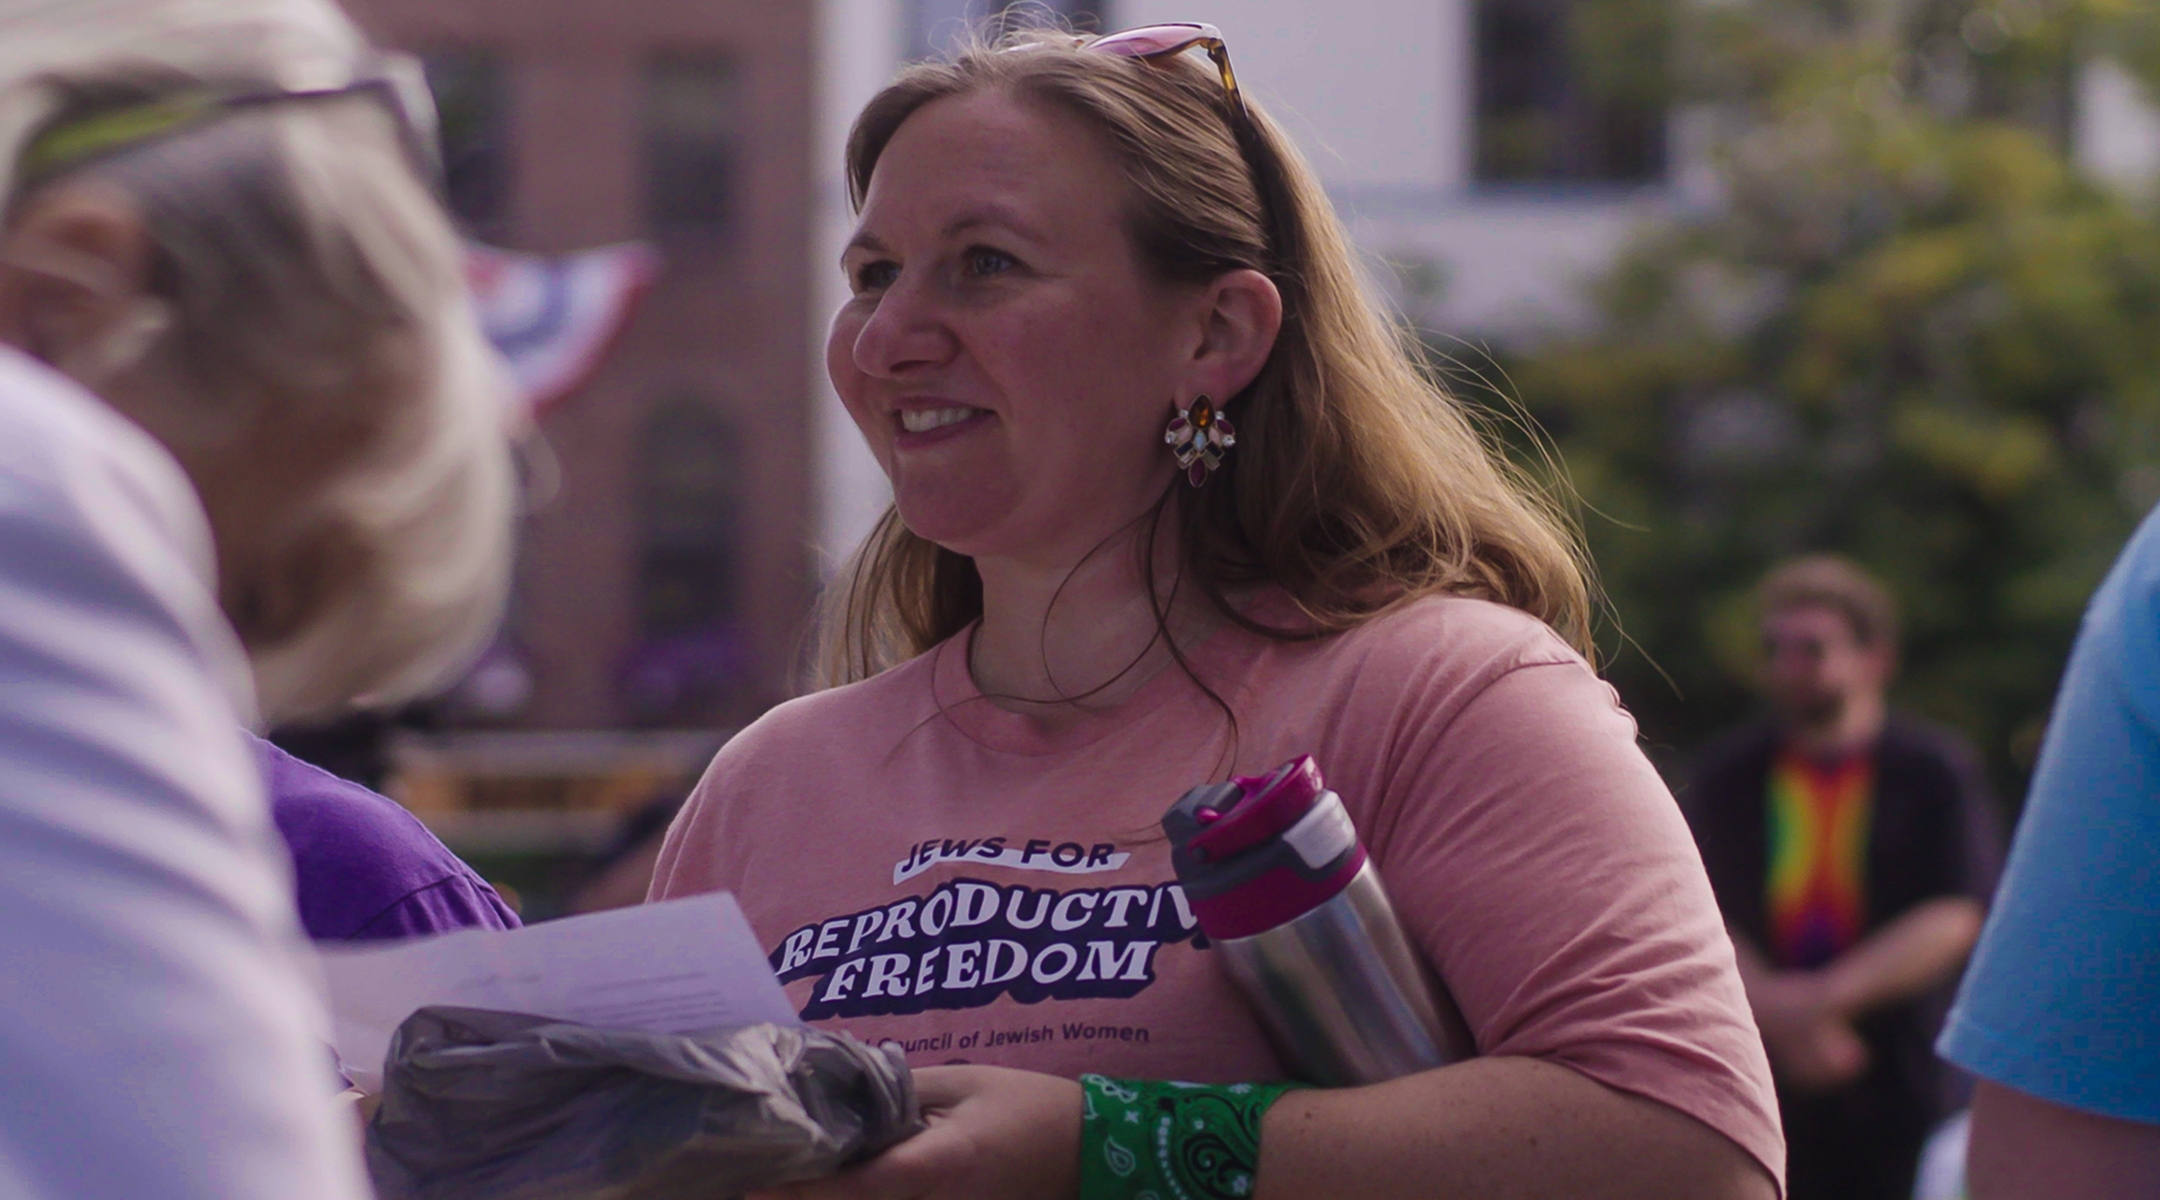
pixel 367 869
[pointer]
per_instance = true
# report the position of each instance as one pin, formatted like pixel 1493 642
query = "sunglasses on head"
pixel 396 81
pixel 1150 42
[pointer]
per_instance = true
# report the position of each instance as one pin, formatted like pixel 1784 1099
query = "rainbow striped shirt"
pixel 1817 886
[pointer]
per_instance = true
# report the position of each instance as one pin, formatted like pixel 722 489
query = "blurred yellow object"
pixel 540 792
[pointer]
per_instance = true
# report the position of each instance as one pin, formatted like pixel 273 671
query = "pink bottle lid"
pixel 1273 803
pixel 1255 853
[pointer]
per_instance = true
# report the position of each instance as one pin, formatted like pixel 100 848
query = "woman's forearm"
pixel 1496 1127
pixel 2025 1148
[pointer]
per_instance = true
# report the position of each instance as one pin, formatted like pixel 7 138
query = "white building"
pixel 1383 97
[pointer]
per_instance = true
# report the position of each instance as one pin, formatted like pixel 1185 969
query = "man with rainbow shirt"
pixel 1852 851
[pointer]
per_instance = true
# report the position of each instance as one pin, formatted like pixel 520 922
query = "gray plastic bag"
pixel 482 1105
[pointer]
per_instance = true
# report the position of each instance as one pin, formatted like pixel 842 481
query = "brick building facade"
pixel 670 579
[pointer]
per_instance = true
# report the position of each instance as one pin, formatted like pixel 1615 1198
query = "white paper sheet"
pixel 666 968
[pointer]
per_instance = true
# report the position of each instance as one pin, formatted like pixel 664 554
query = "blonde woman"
pixel 1171 501
pixel 251 464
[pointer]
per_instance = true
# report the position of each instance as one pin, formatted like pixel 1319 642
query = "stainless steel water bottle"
pixel 1285 893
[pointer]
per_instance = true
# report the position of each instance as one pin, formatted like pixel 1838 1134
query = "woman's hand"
pixel 994 1133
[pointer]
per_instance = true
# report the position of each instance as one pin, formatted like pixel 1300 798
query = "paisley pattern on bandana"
pixel 1149 1140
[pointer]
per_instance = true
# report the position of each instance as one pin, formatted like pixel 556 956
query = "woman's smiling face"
pixel 1005 353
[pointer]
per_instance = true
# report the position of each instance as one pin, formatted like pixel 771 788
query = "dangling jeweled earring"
pixel 1199 436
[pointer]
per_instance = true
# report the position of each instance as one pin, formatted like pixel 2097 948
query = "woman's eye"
pixel 984 261
pixel 874 276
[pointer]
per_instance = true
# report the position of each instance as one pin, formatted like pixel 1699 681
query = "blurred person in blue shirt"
pixel 252 466
pixel 2059 1015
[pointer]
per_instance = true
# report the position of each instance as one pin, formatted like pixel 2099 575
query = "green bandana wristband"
pixel 1145 1140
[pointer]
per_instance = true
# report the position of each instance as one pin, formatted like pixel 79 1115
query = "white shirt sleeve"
pixel 160 1026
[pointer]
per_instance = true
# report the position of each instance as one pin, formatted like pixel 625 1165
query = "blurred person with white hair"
pixel 252 466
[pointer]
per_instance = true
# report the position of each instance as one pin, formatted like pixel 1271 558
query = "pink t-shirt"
pixel 930 868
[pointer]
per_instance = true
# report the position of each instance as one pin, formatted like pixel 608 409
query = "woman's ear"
pixel 74 280
pixel 1243 317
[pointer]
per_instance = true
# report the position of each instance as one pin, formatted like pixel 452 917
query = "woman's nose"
pixel 906 333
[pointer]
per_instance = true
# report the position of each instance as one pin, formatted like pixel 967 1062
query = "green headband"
pixel 74 141
pixel 397 81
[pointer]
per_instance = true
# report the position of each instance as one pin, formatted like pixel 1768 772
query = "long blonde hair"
pixel 1356 485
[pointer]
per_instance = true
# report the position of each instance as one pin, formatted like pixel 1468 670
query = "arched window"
pixel 690 656
pixel 692 119
pixel 472 105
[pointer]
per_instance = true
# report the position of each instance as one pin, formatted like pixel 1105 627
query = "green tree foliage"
pixel 1908 332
